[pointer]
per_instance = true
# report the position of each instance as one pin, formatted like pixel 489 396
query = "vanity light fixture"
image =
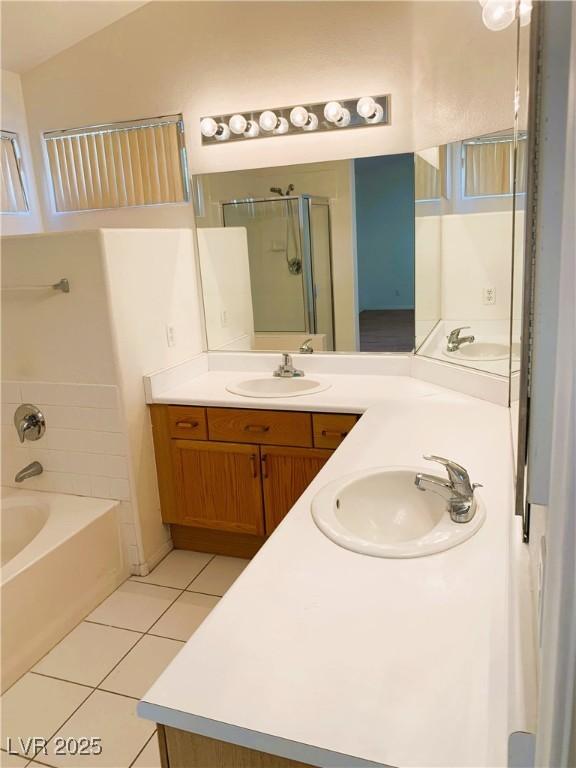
pixel 499 14
pixel 238 124
pixel 369 109
pixel 298 119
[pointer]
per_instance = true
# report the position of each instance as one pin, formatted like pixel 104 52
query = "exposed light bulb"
pixel 283 126
pixel 499 14
pixel 482 2
pixel 222 132
pixel 299 116
pixel 208 127
pixel 344 121
pixel 312 123
pixel 333 111
pixel 525 12
pixel 366 107
pixel 268 120
pixel 252 129
pixel 237 124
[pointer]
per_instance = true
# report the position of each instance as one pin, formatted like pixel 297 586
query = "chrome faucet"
pixel 286 369
pixel 455 341
pixel 306 348
pixel 457 490
pixel 29 471
pixel 29 422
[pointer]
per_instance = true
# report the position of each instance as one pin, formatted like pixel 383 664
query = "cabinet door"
pixel 286 473
pixel 218 486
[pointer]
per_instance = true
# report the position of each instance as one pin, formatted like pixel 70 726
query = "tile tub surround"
pixel 83 451
pixel 410 632
pixel 90 682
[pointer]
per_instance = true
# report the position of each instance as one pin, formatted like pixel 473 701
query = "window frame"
pixel 14 139
pixel 146 122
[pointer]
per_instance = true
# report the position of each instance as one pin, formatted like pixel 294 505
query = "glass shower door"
pixel 277 274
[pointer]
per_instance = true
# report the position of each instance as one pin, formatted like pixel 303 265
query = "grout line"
pixel 119 662
pixel 62 679
pixel 200 571
pixel 207 594
pixel 154 735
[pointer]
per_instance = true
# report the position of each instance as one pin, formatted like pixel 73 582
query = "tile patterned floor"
pixel 88 685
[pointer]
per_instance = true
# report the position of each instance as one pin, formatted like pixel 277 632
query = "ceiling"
pixel 35 30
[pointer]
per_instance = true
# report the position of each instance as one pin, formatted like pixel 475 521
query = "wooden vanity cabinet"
pixel 228 476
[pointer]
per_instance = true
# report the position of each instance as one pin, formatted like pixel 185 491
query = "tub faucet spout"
pixel 29 471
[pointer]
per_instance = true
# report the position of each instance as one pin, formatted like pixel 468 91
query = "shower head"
pixel 278 190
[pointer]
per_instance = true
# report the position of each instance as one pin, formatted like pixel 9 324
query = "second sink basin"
pixel 275 386
pixel 380 512
pixel 481 350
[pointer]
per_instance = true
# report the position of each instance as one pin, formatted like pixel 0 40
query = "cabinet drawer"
pixel 331 428
pixel 262 427
pixel 187 422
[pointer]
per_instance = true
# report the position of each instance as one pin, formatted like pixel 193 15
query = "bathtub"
pixel 60 556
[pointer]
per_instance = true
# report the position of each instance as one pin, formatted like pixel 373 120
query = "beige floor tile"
pixel 150 755
pixel 88 653
pixel 113 718
pixel 134 606
pixel 185 616
pixel 38 706
pixel 136 673
pixel 13 761
pixel 219 575
pixel 177 569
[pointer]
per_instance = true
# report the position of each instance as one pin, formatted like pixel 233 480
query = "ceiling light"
pixel 333 111
pixel 525 12
pixel 268 120
pixel 237 124
pixel 499 14
pixel 344 121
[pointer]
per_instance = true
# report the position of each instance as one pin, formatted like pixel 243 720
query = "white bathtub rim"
pixel 68 514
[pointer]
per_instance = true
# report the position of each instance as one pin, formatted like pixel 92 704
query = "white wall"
pixel 225 269
pixel 436 59
pixel 13 119
pixel 428 274
pixel 476 253
pixel 151 278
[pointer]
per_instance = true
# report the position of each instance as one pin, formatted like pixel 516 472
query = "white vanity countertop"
pixel 333 658
pixel 347 393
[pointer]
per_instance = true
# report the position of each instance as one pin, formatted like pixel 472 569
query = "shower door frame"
pixel 305 203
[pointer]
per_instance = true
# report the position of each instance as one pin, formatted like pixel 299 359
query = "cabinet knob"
pixel 187 424
pixel 333 433
pixel 256 428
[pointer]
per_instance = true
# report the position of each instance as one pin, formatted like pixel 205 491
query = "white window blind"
pixel 12 192
pixel 488 166
pixel 119 165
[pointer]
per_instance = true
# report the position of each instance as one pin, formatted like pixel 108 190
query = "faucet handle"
pixel 458 475
pixel 455 332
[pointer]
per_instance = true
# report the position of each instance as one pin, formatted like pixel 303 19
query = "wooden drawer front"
pixel 263 427
pixel 186 422
pixel 331 428
pixel 218 486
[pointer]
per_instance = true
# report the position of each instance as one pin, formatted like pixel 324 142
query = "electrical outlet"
pixel 489 295
pixel 170 335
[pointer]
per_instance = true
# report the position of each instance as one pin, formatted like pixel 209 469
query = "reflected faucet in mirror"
pixel 306 348
pixel 455 341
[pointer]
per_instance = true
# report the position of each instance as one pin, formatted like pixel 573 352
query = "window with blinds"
pixel 12 191
pixel 119 165
pixel 488 165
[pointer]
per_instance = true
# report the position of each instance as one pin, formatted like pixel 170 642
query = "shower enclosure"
pixel 290 263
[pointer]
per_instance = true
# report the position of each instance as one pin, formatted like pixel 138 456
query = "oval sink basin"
pixel 275 386
pixel 380 512
pixel 480 350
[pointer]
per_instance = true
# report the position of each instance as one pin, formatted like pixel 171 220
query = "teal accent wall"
pixel 385 231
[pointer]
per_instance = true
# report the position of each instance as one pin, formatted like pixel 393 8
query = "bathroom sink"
pixel 380 512
pixel 480 350
pixel 272 386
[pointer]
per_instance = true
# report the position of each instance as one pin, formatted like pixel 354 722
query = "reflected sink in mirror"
pixel 480 350
pixel 270 386
pixel 380 512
